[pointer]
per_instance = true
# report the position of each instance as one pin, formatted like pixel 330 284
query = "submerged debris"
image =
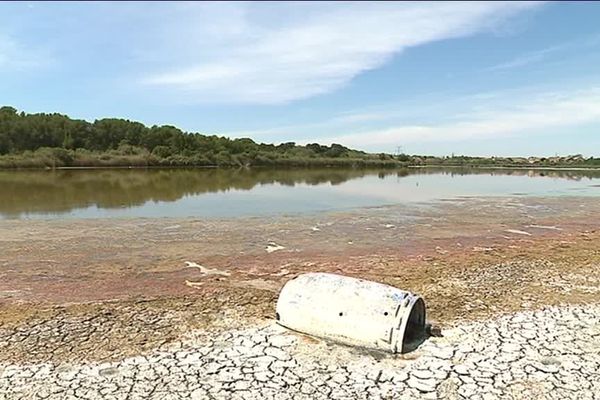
pixel 283 272
pixel 272 246
pixel 517 232
pixel 483 249
pixel 193 284
pixel 206 271
pixel 554 228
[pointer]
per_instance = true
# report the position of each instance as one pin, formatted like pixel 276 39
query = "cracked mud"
pixel 552 353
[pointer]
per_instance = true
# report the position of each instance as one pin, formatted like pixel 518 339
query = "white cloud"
pixel 531 114
pixel 318 52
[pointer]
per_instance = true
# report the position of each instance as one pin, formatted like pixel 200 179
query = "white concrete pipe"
pixel 352 311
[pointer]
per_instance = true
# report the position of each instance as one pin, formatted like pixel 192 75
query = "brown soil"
pixel 103 289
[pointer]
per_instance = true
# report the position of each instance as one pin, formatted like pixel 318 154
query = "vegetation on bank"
pixel 55 140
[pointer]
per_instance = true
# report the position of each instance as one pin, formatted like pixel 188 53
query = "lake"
pixel 118 193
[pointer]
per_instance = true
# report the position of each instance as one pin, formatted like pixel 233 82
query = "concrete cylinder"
pixel 352 311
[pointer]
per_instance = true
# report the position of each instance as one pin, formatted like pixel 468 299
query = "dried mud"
pixel 103 290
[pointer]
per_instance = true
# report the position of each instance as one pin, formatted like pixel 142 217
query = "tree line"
pixel 54 139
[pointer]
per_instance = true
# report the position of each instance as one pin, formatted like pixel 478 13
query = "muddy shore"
pixel 94 291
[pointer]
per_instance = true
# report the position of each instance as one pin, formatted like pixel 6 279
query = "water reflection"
pixel 63 190
pixel 57 192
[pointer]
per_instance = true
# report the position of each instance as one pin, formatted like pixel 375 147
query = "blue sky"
pixel 435 78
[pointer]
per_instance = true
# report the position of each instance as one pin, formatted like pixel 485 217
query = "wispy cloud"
pixel 537 56
pixel 8 53
pixel 316 53
pixel 15 56
pixel 353 117
pixel 526 59
pixel 532 114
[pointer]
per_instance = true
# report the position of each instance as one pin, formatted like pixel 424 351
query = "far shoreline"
pixel 297 167
pixel 539 168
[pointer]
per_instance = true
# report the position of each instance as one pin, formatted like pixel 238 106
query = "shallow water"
pixel 116 193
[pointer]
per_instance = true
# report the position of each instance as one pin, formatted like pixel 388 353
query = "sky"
pixel 503 79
